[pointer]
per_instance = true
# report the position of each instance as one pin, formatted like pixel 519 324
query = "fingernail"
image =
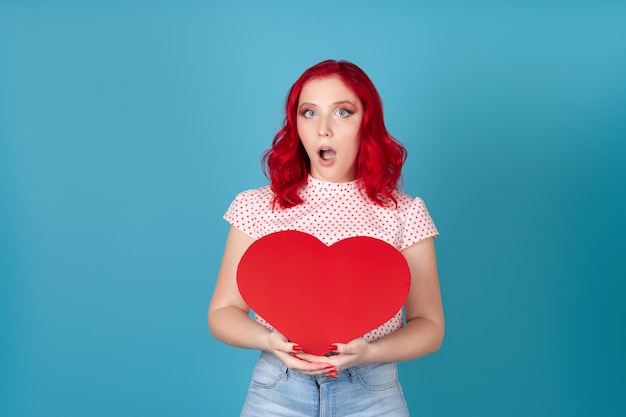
pixel 329 367
pixel 333 376
pixel 332 347
pixel 296 347
pixel 294 355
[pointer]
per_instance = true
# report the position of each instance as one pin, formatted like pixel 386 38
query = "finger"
pixel 300 359
pixel 297 363
pixel 313 358
pixel 351 348
pixel 329 371
pixel 327 365
pixel 338 348
pixel 279 342
pixel 313 370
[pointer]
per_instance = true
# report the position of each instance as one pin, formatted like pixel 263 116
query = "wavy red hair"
pixel 380 157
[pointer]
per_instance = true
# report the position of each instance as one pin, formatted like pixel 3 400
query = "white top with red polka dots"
pixel 332 212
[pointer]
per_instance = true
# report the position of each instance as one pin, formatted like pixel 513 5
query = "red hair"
pixel 380 157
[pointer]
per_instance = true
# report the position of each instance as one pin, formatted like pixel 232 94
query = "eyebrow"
pixel 334 104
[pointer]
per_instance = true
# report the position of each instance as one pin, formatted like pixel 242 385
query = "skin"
pixel 329 115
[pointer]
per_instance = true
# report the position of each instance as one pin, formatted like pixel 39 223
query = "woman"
pixel 333 151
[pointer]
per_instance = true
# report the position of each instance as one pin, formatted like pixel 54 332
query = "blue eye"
pixel 344 112
pixel 308 113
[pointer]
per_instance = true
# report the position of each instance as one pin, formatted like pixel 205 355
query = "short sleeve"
pixel 419 225
pixel 242 213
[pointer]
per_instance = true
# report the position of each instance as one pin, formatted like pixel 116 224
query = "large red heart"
pixel 317 295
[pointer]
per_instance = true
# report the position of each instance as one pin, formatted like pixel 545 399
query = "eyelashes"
pixel 342 112
pixel 308 113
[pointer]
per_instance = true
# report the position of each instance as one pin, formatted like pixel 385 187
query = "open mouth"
pixel 327 153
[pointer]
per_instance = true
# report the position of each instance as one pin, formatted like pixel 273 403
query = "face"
pixel 328 123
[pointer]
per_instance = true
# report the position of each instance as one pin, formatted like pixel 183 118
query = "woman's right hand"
pixel 288 351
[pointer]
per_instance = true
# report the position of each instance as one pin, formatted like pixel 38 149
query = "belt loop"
pixel 353 374
pixel 284 374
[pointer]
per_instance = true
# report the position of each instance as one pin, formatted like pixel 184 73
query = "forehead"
pixel 327 89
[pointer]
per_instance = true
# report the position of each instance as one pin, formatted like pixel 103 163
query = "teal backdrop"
pixel 127 127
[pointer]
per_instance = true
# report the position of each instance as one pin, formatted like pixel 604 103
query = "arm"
pixel 424 329
pixel 227 310
pixel 228 313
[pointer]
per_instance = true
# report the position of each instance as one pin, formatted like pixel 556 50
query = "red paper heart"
pixel 317 295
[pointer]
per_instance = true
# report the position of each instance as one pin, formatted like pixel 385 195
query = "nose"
pixel 324 128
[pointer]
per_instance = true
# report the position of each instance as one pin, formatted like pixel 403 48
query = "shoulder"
pixel 412 206
pixel 405 202
pixel 250 201
pixel 255 195
pixel 418 224
pixel 247 207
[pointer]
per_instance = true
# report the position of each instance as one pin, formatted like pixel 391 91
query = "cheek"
pixel 354 135
pixel 356 140
pixel 355 128
pixel 355 147
pixel 305 138
pixel 304 130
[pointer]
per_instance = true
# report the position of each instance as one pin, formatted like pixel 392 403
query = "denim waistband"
pixel 346 373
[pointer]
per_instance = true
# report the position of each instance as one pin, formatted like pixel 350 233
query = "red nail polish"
pixel 298 348
pixel 332 347
pixel 333 376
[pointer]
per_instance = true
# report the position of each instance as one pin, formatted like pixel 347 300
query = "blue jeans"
pixel 365 391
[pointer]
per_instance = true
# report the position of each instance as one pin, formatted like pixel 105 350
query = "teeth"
pixel 326 154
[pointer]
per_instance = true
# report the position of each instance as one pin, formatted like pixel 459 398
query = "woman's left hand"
pixel 345 355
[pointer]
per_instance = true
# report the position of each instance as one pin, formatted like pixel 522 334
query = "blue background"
pixel 126 129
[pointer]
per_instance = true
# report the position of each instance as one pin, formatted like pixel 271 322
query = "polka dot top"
pixel 332 212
